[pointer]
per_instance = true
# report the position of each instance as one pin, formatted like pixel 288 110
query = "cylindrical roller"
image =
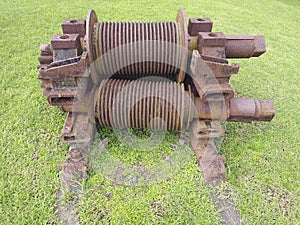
pixel 143 104
pixel 247 110
pixel 137 48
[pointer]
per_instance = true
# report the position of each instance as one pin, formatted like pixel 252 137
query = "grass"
pixel 262 159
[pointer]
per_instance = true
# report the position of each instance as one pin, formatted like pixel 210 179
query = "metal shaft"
pixel 166 105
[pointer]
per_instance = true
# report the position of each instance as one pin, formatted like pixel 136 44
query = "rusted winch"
pixel 99 73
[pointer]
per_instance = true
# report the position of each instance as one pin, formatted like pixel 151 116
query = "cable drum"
pixel 137 49
pixel 143 104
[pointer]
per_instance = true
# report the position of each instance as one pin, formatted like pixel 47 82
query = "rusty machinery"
pixel 97 73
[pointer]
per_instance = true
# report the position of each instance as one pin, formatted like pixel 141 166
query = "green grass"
pixel 262 159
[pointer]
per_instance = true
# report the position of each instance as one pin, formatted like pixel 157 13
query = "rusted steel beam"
pixel 204 135
pixel 78 128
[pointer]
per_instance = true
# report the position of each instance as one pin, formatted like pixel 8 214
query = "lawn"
pixel 262 158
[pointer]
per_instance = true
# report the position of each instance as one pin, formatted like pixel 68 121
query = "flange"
pixel 181 21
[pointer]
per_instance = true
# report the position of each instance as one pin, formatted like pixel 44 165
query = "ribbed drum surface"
pixel 138 49
pixel 143 104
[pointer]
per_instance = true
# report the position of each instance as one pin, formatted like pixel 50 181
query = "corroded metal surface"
pixel 197 25
pixel 182 23
pixel 166 105
pixel 244 46
pixel 247 110
pixel 143 104
pixel 204 136
pixel 138 48
pixel 80 72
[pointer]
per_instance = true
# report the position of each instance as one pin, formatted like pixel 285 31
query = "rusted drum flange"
pixel 90 22
pixel 182 23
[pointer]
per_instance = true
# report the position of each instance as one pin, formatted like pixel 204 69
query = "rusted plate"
pixel 72 69
pixel 222 70
pixel 64 54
